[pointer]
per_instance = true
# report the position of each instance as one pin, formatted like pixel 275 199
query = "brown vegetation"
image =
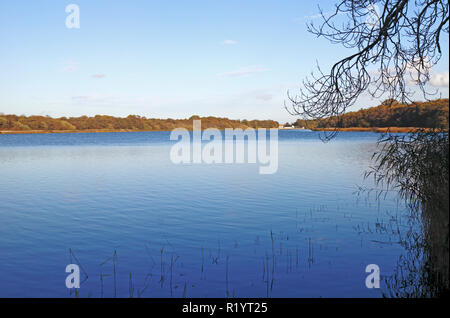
pixel 10 124
pixel 399 117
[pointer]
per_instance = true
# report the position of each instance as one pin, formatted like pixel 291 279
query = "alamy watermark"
pixel 73 18
pixel 373 279
pixel 73 279
pixel 227 147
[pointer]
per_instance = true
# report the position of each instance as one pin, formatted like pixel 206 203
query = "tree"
pixel 396 42
pixel 3 122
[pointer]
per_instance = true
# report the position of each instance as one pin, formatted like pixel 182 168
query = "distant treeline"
pixel 431 114
pixel 132 122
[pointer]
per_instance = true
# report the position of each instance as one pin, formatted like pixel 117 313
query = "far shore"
pixel 356 129
pixel 23 132
pixel 373 129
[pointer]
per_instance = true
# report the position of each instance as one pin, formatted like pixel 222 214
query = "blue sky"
pixel 161 59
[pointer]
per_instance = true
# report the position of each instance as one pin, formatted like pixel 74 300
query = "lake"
pixel 139 225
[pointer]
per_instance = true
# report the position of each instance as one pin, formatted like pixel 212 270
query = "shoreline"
pixel 374 129
pixel 355 129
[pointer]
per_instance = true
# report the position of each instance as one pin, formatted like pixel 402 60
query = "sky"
pixel 163 59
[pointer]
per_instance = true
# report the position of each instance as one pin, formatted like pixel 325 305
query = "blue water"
pixel 193 230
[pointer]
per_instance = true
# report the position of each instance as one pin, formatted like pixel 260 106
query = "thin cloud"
pixel 98 75
pixel 80 98
pixel 316 16
pixel 95 99
pixel 264 97
pixel 229 42
pixel 70 66
pixel 244 71
pixel 440 79
pixel 108 100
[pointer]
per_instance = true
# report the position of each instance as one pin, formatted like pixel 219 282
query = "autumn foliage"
pixel 130 123
pixel 431 114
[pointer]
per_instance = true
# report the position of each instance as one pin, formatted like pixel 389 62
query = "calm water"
pixel 190 230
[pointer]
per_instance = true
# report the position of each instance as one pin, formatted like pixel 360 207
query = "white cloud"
pixel 70 66
pixel 80 97
pixel 244 71
pixel 229 42
pixel 440 79
pixel 316 16
pixel 264 97
pixel 98 75
pixel 101 100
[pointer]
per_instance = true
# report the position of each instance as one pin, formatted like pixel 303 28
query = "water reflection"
pixel 143 227
pixel 422 271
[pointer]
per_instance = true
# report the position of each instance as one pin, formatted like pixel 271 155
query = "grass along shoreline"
pixel 374 129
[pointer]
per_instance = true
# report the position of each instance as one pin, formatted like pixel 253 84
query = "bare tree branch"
pixel 396 47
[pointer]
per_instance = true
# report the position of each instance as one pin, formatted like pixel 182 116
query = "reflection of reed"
pixel 424 269
pixel 435 217
pixel 416 166
pixel 220 268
